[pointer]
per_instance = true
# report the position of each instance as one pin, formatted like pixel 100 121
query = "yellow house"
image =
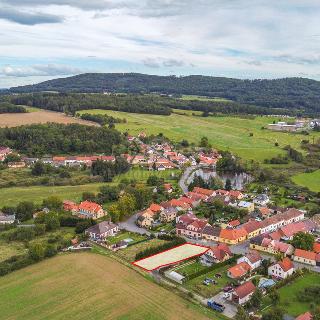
pixel 233 236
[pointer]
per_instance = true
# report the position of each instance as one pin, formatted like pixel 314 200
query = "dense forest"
pixel 137 103
pixel 298 93
pixel 6 107
pixel 54 139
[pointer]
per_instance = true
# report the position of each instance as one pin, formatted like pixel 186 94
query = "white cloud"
pixel 236 37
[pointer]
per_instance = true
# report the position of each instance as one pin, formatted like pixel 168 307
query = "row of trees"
pixel 102 119
pixel 108 169
pixel 53 138
pixel 6 107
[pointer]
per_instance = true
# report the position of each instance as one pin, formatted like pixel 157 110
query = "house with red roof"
pixel 287 232
pixel 316 247
pixel 70 206
pixel 252 227
pixel 281 269
pixel 233 236
pixel 190 226
pixel 155 208
pixel 205 192
pixel 305 316
pixel 234 223
pixel 306 257
pixel 243 293
pixel 236 194
pixel 168 187
pixel 266 244
pixel 219 253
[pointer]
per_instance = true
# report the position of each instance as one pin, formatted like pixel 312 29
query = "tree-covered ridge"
pixel 278 93
pixel 52 138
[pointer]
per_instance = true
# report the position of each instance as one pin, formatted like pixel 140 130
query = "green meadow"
pixel 242 136
pixel 310 180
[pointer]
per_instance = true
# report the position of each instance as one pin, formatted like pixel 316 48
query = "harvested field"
pixel 41 116
pixel 171 256
pixel 88 286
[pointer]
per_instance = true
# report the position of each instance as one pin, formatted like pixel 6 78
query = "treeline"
pixel 138 103
pixel 288 93
pixel 52 138
pixel 6 107
pixel 108 170
pixel 71 103
pixel 102 119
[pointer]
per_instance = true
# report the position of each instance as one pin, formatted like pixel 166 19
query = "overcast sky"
pixel 45 39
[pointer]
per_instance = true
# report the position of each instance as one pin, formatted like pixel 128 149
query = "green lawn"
pixel 125 235
pixel 12 196
pixel 197 285
pixel 190 267
pixel 142 175
pixel 310 180
pixel 288 295
pixel 13 248
pixel 202 98
pixel 227 133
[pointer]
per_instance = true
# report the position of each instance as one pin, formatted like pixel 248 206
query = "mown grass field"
pixel 310 180
pixel 226 133
pixel 88 286
pixel 288 295
pixel 12 196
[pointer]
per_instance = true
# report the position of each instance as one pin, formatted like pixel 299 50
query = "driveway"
pixel 230 310
pixel 130 225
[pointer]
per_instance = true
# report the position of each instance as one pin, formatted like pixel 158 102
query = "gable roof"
pixel 206 192
pixel 234 223
pixel 155 207
pixel 286 264
pixel 251 226
pixel 102 227
pixel 89 206
pixel 245 289
pixel 316 247
pixel 305 254
pixel 253 256
pixel 239 270
pixel 233 234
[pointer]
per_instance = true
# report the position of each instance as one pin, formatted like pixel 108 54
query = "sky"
pixel 46 39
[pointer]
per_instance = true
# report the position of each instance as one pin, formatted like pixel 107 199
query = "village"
pixel 230 261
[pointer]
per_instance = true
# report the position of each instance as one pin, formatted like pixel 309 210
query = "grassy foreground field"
pixel 310 180
pixel 227 133
pixel 87 286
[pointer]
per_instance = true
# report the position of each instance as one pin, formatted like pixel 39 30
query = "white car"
pixel 226 295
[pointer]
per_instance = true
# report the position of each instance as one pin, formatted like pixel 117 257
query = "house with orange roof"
pixel 234 223
pixel 316 247
pixel 264 212
pixel 281 269
pixel 90 210
pixel 239 270
pixel 168 187
pixel 236 194
pixel 253 228
pixel 70 206
pixel 155 208
pixel 233 236
pixel 205 192
pixel 306 257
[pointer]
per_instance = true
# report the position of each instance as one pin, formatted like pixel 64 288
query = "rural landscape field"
pixel 224 132
pixel 97 288
pixel 38 116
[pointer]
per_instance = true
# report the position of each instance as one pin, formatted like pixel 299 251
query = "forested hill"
pixel 279 93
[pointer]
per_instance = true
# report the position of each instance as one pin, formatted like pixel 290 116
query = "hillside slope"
pixel 278 93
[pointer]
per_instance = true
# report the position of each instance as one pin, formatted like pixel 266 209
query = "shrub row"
pixel 166 246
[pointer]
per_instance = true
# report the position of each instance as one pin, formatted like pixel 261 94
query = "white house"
pixel 252 258
pixel 243 293
pixel 281 269
pixel 102 230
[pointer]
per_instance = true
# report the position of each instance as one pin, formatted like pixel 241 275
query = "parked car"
pixel 216 306
pixel 227 289
pixel 218 275
pixel 226 295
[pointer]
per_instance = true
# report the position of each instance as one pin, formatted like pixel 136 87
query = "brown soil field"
pixel 88 286
pixel 41 116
